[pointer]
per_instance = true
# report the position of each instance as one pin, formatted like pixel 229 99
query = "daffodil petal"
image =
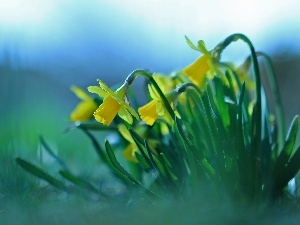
pixel 197 70
pixel 148 112
pixel 83 111
pixel 81 94
pixel 153 93
pixel 125 133
pixel 202 47
pixel 129 153
pixel 131 110
pixel 160 108
pixel 98 90
pixel 107 110
pixel 106 88
pixel 125 115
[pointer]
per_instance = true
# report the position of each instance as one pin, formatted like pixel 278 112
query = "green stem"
pixel 217 52
pixel 278 105
pixel 131 77
pixel 181 88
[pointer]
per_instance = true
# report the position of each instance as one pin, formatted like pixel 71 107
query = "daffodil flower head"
pixel 150 112
pixel 114 102
pixel 85 109
pixel 202 66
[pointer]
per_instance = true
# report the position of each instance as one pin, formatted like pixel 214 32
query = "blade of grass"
pixel 140 144
pixel 95 126
pixel 97 147
pixel 79 181
pixel 105 158
pixel 118 166
pixel 290 170
pixel 41 174
pixel 52 154
pixel 287 148
pixel 275 92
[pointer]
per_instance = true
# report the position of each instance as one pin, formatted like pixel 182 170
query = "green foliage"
pixel 221 137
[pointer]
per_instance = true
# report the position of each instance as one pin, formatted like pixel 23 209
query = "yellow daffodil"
pixel 113 103
pixel 151 111
pixel 197 70
pixel 202 66
pixel 85 109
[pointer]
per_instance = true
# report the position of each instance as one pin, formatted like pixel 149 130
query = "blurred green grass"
pixel 33 104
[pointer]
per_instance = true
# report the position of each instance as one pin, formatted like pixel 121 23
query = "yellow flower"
pixel 151 111
pixel 198 69
pixel 202 66
pixel 85 109
pixel 113 104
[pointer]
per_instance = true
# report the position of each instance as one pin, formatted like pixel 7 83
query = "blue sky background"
pixel 76 42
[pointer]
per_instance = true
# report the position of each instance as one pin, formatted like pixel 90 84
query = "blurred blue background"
pixel 46 46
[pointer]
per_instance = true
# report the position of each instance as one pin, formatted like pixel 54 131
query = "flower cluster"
pixel 116 102
pixel 208 123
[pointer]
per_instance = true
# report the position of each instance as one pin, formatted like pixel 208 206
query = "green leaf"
pixel 140 144
pixel 168 167
pixel 51 153
pixel 208 168
pixel 79 181
pixel 290 170
pixel 222 105
pixel 154 165
pixel 120 168
pixel 105 158
pixel 41 174
pixel 281 167
pixel 288 147
pixel 95 126
pixel 276 95
pixel 97 147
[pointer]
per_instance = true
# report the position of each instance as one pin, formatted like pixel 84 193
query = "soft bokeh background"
pixel 46 46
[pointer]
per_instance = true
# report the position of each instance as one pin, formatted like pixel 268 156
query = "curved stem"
pixel 257 112
pixel 139 72
pixel 217 52
pixel 275 90
pixel 181 88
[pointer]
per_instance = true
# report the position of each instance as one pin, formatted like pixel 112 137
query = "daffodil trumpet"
pixel 114 102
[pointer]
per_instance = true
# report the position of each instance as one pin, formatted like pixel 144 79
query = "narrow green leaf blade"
pixel 289 171
pixel 52 154
pixel 41 174
pixel 78 181
pixel 120 168
pixel 287 150
pixel 95 126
